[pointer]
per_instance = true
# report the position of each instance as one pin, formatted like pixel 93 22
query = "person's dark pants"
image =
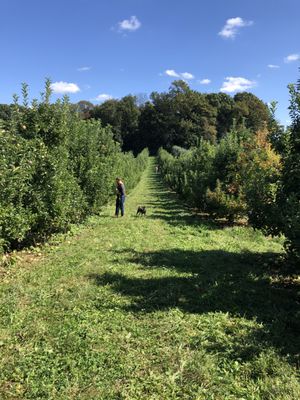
pixel 120 205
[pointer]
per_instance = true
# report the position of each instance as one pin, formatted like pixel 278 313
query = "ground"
pixel 167 306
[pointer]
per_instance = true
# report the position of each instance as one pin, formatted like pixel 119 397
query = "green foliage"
pixel 179 117
pixel 220 204
pixel 93 157
pixel 123 116
pixel 263 180
pixel 278 136
pixel 18 162
pixel 274 193
pixel 176 151
pixel 84 108
pixel 5 113
pixel 225 197
pixel 289 195
pixel 226 112
pixel 230 179
pixel 191 172
pixel 55 169
pixel 251 111
pixel 131 168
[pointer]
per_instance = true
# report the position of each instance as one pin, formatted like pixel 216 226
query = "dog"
pixel 141 210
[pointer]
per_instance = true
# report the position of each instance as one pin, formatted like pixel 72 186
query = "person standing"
pixel 120 200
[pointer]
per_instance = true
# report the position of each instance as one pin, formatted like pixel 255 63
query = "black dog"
pixel 141 210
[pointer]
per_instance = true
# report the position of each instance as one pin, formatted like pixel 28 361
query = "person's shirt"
pixel 121 189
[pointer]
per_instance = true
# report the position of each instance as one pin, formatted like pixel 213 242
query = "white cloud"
pixel 236 84
pixel 183 75
pixel 82 69
pixel 230 29
pixel 291 58
pixel 131 24
pixel 273 66
pixel 171 72
pixel 187 75
pixel 103 97
pixel 64 87
pixel 205 81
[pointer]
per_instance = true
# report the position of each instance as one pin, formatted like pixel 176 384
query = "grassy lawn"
pixel 167 306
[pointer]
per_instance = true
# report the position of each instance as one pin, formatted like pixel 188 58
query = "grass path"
pixel 164 307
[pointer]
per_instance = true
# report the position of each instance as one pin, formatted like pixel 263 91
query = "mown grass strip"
pixel 167 306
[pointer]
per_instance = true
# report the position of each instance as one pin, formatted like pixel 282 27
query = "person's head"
pixel 118 180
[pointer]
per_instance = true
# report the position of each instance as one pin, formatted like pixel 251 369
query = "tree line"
pixel 179 117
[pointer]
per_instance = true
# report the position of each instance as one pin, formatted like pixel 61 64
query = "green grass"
pixel 167 306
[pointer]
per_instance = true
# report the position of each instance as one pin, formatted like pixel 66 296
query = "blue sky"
pixel 93 49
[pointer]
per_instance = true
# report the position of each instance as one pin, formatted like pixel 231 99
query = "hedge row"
pixel 224 179
pixel 55 169
pixel 243 177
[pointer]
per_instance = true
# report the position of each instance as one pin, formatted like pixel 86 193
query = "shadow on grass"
pixel 169 207
pixel 215 281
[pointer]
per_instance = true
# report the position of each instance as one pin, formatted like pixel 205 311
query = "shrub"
pixel 288 200
pixel 17 168
pixel 232 179
pixel 220 204
pixel 262 179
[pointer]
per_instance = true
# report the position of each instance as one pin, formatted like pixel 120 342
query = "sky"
pixel 97 49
